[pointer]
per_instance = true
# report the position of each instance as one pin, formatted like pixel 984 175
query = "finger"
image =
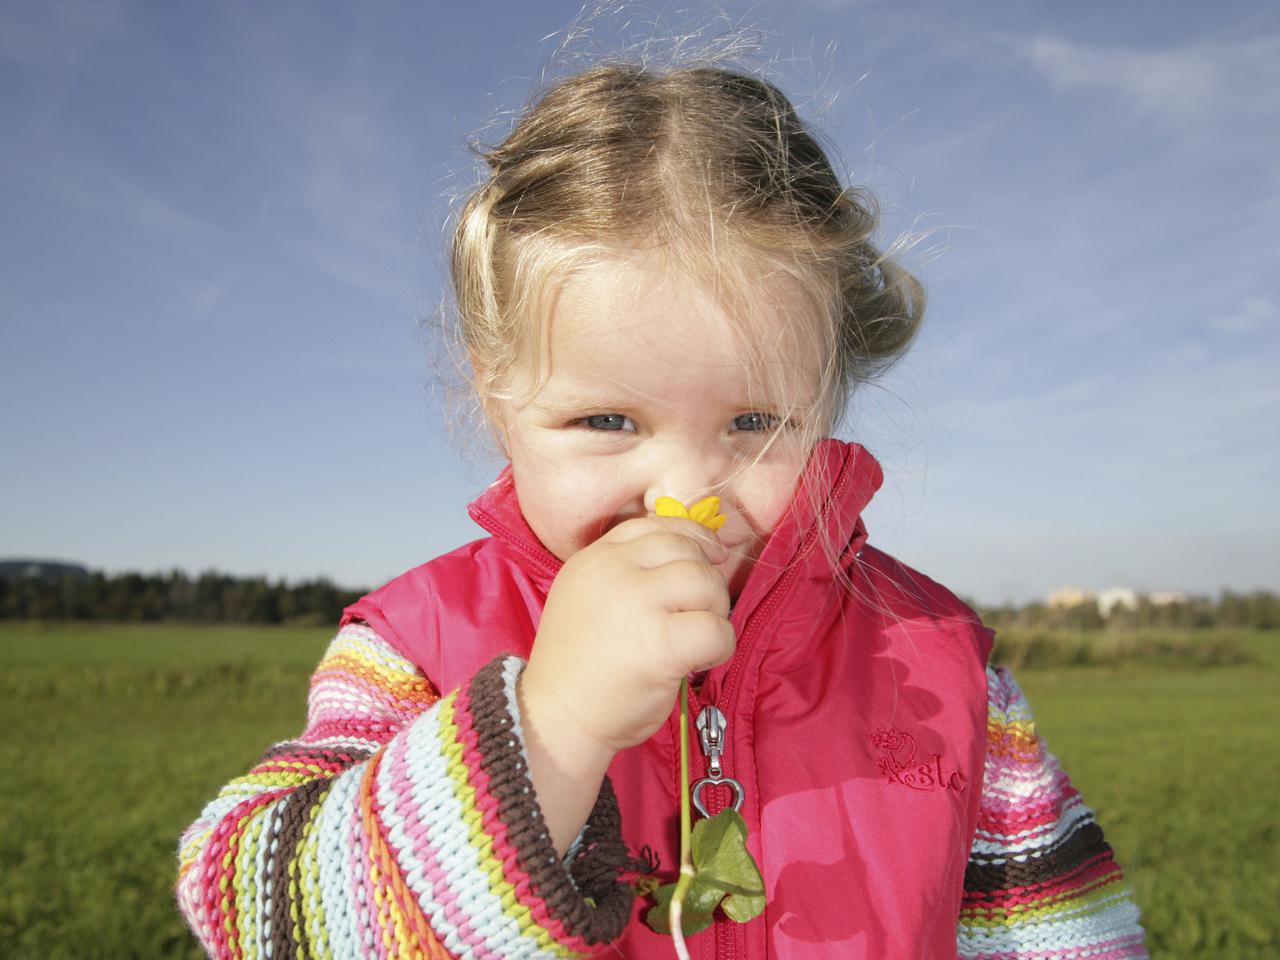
pixel 632 530
pixel 662 547
pixel 712 548
pixel 690 585
pixel 699 640
pixel 715 551
pixel 629 530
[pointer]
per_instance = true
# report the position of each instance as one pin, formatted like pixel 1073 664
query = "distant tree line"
pixel 78 594
pixel 1259 609
pixel 37 590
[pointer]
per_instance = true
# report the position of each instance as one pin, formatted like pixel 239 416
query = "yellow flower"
pixel 706 511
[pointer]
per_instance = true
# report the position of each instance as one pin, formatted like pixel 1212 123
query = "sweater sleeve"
pixel 1041 880
pixel 400 823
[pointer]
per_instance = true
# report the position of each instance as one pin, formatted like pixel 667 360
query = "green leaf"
pixel 700 902
pixel 742 908
pixel 644 886
pixel 721 858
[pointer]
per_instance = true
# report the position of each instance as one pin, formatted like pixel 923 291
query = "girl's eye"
pixel 607 421
pixel 756 422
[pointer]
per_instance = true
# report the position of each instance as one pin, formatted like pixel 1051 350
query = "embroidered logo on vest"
pixel 897 761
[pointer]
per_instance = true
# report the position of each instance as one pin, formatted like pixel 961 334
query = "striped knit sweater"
pixel 1041 880
pixel 402 824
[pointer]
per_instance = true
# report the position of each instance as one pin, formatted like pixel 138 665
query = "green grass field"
pixel 116 735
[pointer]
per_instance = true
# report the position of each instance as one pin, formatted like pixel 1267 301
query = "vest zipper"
pixel 726 940
pixel 712 731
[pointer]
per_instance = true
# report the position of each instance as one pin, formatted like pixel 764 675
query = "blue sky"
pixel 222 234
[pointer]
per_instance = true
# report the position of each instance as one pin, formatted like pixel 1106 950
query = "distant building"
pixel 1167 598
pixel 1068 598
pixel 1064 598
pixel 1123 597
pixel 47 570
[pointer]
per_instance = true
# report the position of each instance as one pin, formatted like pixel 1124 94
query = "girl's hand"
pixel 627 618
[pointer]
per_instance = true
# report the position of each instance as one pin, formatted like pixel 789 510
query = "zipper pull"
pixel 712 726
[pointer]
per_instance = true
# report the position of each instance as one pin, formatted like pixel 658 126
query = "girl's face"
pixel 646 388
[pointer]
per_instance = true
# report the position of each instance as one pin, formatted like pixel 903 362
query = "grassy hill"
pixel 117 735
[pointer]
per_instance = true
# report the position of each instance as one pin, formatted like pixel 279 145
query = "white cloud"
pixel 1184 83
pixel 1252 315
pixel 836 5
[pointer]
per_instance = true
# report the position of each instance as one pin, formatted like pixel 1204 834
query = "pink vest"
pixel 855 706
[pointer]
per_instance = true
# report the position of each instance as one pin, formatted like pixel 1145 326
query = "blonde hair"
pixel 711 166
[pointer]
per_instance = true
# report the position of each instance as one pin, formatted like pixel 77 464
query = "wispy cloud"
pixel 836 5
pixel 1175 417
pixel 1252 315
pixel 1183 83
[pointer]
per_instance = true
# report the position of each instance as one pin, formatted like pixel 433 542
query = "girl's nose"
pixel 686 475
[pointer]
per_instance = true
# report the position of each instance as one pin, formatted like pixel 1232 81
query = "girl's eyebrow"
pixel 569 402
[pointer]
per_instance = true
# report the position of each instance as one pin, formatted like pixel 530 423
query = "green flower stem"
pixel 686 831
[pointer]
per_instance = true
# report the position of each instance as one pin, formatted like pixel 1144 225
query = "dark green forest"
pixel 66 592
pixel 50 591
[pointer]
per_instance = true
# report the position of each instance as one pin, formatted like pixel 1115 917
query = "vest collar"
pixel 820 531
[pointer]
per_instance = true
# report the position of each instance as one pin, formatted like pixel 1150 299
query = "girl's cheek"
pixel 766 502
pixel 581 529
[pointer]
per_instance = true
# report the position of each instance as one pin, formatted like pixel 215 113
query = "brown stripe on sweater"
pixel 294 814
pixel 295 750
pixel 270 881
pixel 1081 845
pixel 602 854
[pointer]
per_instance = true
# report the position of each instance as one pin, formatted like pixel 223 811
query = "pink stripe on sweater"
pixel 220 842
pixel 434 874
pixel 1092 873
pixel 504 849
pixel 1117 949
pixel 362 898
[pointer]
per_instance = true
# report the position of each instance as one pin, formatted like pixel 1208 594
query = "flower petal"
pixel 705 510
pixel 669 507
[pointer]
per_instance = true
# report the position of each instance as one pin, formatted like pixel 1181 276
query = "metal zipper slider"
pixel 711 733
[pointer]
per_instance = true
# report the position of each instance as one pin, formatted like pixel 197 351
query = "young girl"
pixel 664 291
